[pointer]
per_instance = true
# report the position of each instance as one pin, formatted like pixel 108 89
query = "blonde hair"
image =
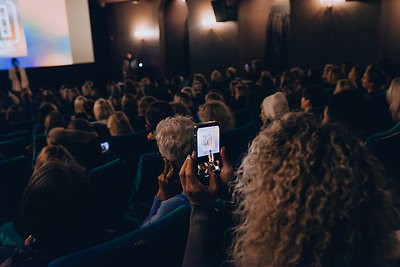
pixel 118 123
pixel 54 152
pixel 79 104
pixel 102 109
pixel 393 98
pixel 311 195
pixel 217 111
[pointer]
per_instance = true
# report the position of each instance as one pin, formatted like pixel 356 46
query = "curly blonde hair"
pixel 311 195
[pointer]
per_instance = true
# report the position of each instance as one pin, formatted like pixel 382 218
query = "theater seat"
pixel 12 135
pixel 13 147
pixel 14 174
pixel 112 184
pixel 236 141
pixel 161 243
pixel 20 126
pixel 386 146
pixel 151 165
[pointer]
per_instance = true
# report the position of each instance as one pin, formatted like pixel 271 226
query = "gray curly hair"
pixel 175 138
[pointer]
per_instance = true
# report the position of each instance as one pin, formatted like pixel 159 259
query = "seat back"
pixel 151 165
pixel 14 174
pixel 128 146
pixel 236 141
pixel 12 135
pixel 13 147
pixel 20 126
pixel 111 183
pixel 386 146
pixel 161 243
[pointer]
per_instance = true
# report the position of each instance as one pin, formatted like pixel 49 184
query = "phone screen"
pixel 208 148
pixel 105 146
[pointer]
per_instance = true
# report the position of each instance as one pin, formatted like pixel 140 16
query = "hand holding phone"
pixel 207 136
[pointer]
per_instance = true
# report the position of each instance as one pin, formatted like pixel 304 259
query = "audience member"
pixel 156 112
pixel 217 111
pixel 118 123
pixel 273 108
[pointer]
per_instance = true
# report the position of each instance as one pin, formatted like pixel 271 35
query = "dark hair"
pixel 144 104
pixel 14 61
pixel 156 112
pixel 376 75
pixel 293 97
pixel 53 119
pixel 80 124
pixel 44 109
pixel 57 207
pixel 315 94
pixel 14 113
pixel 51 153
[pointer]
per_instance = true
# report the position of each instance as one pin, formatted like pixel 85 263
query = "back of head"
pixel 275 106
pixel 79 104
pixel 175 138
pixel 102 109
pixel 393 98
pixel 315 94
pixel 144 104
pixel 156 112
pixel 217 111
pixel 334 75
pixel 214 96
pixel 44 109
pixel 374 74
pixel 14 113
pixel 129 103
pixel 80 124
pixel 345 85
pixel 346 108
pixel 52 120
pixel 318 186
pixel 57 208
pixel 54 153
pixel 118 123
pixel 184 98
pixel 180 109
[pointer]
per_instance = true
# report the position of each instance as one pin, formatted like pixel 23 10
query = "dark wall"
pixel 390 28
pixel 346 32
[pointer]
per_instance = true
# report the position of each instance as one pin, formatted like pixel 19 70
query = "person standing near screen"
pixel 18 77
pixel 129 66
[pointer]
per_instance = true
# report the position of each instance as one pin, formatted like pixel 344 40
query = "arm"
pixel 199 247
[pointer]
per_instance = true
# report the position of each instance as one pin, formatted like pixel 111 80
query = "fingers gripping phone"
pixel 207 138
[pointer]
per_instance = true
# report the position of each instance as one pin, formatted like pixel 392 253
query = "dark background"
pixel 360 32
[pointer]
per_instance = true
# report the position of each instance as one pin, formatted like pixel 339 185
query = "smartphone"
pixel 104 146
pixel 207 138
pixel 246 65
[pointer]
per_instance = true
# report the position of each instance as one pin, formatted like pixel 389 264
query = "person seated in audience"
pixel 143 105
pixel 180 109
pixel 129 107
pixel 325 73
pixel 217 111
pixel 58 214
pixel 346 109
pixel 83 145
pixel 214 96
pixel 377 114
pixel 79 108
pixel 314 77
pixel 231 73
pixel 89 105
pixel 184 98
pixel 53 119
pixel 14 114
pixel 313 100
pixel 306 195
pixel 334 75
pixel 118 123
pixel 175 140
pixel 393 99
pixel 287 78
pixel 266 83
pixel 293 96
pixel 116 101
pixel 273 108
pixel 156 112
pixel 54 153
pixel 344 85
pixel 102 110
pixel 356 75
pixel 81 125
pixel 44 109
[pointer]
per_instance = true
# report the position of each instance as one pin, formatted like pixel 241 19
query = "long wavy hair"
pixel 311 195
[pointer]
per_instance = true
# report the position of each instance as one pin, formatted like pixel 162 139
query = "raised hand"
pixel 168 183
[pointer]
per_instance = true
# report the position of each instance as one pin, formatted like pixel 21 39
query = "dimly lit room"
pixel 200 133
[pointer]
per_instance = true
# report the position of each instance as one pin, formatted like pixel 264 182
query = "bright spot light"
pixel 140 64
pixel 144 33
pixel 331 3
pixel 183 1
pixel 209 22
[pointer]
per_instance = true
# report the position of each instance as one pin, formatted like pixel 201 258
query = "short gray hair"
pixel 175 138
